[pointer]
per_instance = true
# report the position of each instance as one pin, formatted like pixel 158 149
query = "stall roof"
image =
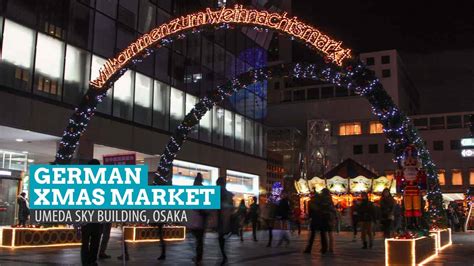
pixel 350 169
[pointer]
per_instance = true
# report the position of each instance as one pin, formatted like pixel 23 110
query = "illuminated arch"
pixel 353 75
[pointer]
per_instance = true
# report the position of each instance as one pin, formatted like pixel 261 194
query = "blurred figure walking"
pixel 268 217
pixel 366 212
pixel 327 221
pixel 314 215
pixel 387 204
pixel 253 215
pixel 223 216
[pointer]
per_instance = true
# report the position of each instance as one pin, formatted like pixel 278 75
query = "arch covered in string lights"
pixel 338 68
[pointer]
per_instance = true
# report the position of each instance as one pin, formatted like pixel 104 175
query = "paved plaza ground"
pixel 246 253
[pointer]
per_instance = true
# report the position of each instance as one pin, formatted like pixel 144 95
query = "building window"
pixel 313 93
pixel 454 121
pixel 123 95
pixel 327 92
pixel 437 122
pixel 421 123
pixel 455 144
pixel 442 177
pixel 387 148
pixel 438 145
pixel 191 101
pixel 456 177
pixel 218 125
pixel 205 127
pixel 386 73
pixel 143 97
pixel 239 132
pixel 373 148
pixel 341 92
pixel 229 129
pixel 370 61
pixel 249 136
pixel 347 129
pixel 386 59
pixel 471 177
pixel 298 95
pixel 357 149
pixel 76 74
pixel 49 64
pixel 176 108
pixel 161 105
pixel 376 127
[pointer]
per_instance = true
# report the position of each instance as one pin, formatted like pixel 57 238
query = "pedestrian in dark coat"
pixel 253 216
pixel 314 213
pixel 23 209
pixel 366 212
pixel 327 219
pixel 387 205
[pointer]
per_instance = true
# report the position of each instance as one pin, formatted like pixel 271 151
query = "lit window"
pixel 177 104
pixel 376 127
pixel 143 99
pixel 18 45
pixel 347 129
pixel 205 127
pixel 239 132
pixel 457 177
pixel 49 56
pixel 442 177
pixel 471 177
pixel 161 96
pixel 123 95
pixel 229 129
pixel 143 85
pixel 191 100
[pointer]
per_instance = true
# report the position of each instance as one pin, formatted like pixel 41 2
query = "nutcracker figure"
pixel 411 180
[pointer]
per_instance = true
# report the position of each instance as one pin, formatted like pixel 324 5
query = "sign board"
pixel 467 152
pixel 467 142
pixel 120 159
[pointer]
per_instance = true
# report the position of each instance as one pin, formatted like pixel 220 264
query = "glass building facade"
pixel 51 49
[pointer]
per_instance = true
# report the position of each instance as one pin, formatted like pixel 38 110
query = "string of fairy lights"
pixel 398 128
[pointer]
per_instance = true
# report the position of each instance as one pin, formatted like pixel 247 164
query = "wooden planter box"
pixel 38 237
pixel 151 234
pixel 410 251
pixel 443 238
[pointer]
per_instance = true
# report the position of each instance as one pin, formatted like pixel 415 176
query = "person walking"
pixel 241 215
pixel 355 219
pixel 23 209
pixel 366 212
pixel 268 217
pixel 253 215
pixel 297 219
pixel 199 223
pixel 107 227
pixel 90 237
pixel 314 215
pixel 223 216
pixel 283 211
pixel 387 205
pixel 327 219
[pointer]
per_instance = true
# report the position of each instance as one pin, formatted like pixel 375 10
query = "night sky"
pixel 435 40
